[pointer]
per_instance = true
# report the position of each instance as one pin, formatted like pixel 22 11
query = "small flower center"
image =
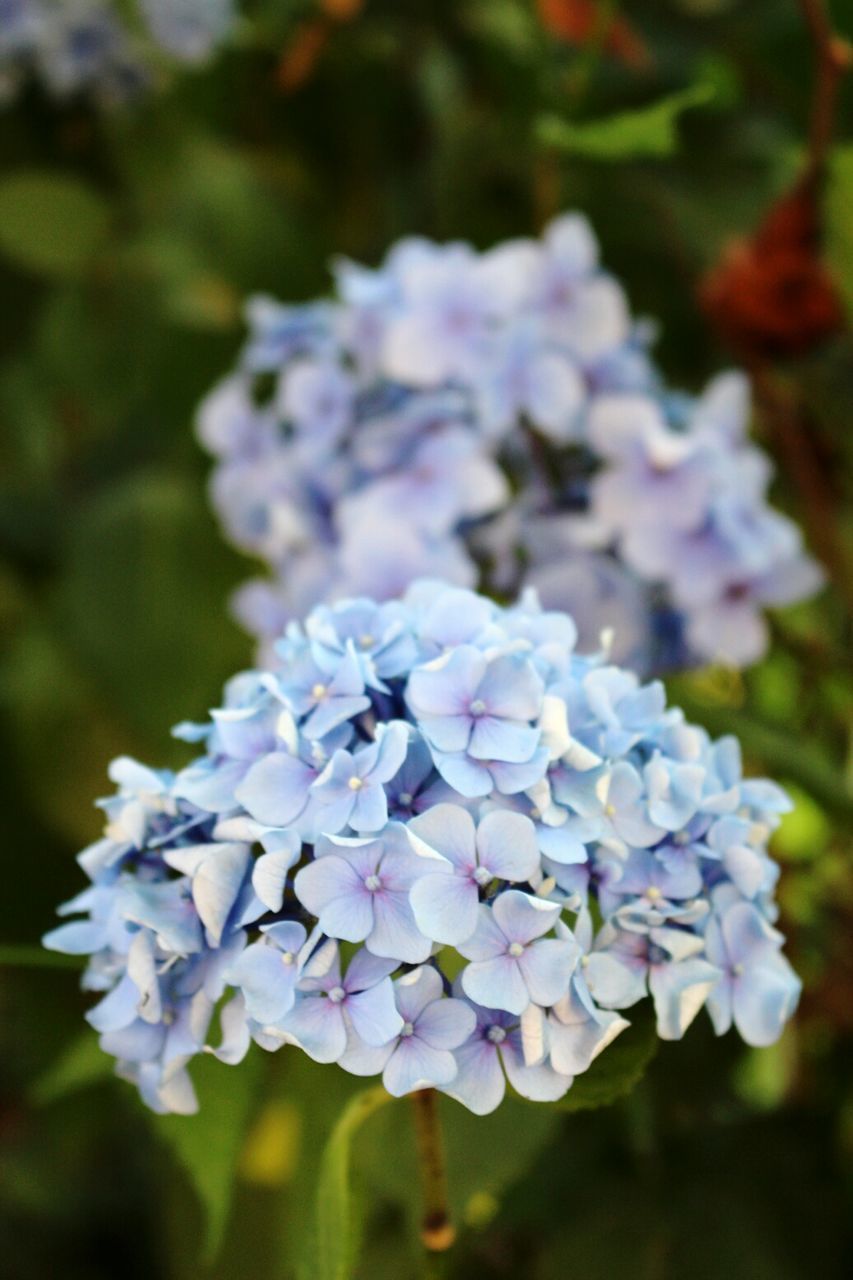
pixel 515 950
pixel 408 1029
pixel 168 1018
pixel 584 962
pixel 482 875
pixel 366 642
pixel 535 813
pixel 497 1035
pixel 373 883
pixel 610 810
pixel 287 957
pixel 653 893
pixel 737 970
pixel 319 692
pixel 477 707
pixel 337 994
pixel 681 837
pixel 405 798
pixel 355 783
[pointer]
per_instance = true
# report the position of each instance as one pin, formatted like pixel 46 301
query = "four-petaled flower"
pixel 499 1046
pixel 350 791
pixel 758 989
pixel 359 891
pixel 467 702
pixel 421 1054
pixel 503 847
pixel 330 1007
pixel 267 971
pixel 513 965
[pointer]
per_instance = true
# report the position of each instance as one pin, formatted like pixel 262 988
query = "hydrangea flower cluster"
pixel 88 46
pixel 436 843
pixel 495 419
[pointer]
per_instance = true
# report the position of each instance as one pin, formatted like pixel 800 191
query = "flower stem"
pixel 19 956
pixel 437 1231
pixel 834 56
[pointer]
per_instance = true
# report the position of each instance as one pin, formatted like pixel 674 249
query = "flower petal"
pixel 374 1014
pixel 275 789
pixel 680 989
pixel 316 1024
pixel 446 1023
pixel 479 1082
pixel 497 984
pixel 522 917
pixel 445 907
pixel 449 830
pixel 494 739
pixel 415 1065
pixel 395 931
pixel 333 891
pixel 547 968
pixel 507 845
pixel 512 687
pixel 540 1083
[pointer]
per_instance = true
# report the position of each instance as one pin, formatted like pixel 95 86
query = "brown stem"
pixel 437 1231
pixel 834 56
pixel 790 432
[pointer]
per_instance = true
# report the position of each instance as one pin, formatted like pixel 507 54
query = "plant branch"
pixel 437 1230
pixel 834 56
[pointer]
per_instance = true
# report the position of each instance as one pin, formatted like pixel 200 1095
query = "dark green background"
pixel 113 578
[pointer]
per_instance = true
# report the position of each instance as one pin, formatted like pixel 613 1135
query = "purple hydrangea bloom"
pixel 86 47
pixel 495 419
pixel 480 794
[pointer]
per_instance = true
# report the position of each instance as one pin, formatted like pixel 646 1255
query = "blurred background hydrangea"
pixel 159 167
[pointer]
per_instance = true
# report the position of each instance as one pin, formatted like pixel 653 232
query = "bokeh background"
pixel 129 237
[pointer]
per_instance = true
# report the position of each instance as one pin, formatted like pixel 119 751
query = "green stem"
pixel 21 957
pixel 437 1230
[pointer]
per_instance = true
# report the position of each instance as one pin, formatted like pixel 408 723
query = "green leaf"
pixel 839 225
pixel 621 1066
pixel 143 557
pixel 82 1063
pixel 335 1246
pixel 208 1144
pixel 51 700
pixel 648 131
pixel 805 832
pixel 49 223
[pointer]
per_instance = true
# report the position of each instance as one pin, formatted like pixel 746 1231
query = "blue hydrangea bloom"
pixel 314 882
pixel 188 29
pixel 495 419
pixel 86 47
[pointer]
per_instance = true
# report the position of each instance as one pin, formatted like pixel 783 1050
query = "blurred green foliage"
pixel 127 243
